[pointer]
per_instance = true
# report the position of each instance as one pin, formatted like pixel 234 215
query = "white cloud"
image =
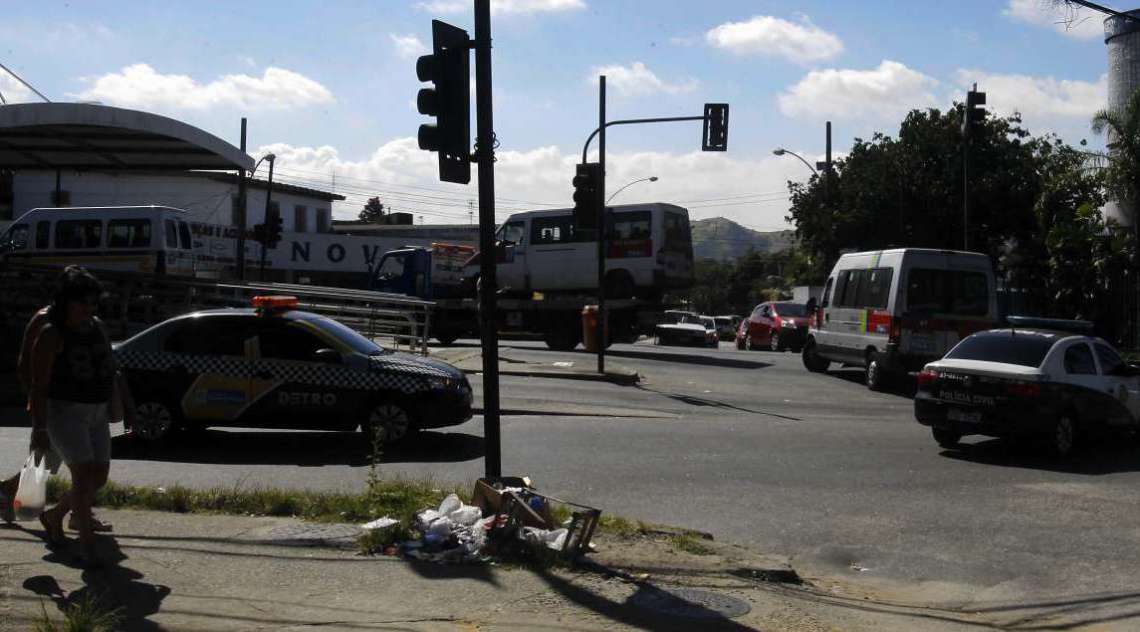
pixel 140 86
pixel 637 80
pixel 409 46
pixel 886 92
pixel 770 36
pixel 1037 98
pixel 504 7
pixel 405 178
pixel 1072 21
pixel 14 91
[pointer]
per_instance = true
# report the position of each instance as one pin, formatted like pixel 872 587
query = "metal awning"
pixel 85 136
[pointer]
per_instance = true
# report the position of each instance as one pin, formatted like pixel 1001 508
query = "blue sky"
pixel 330 86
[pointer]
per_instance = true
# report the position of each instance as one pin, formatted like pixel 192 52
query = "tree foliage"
pixel 373 211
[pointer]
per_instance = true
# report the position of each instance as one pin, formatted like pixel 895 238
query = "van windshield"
pixel 957 292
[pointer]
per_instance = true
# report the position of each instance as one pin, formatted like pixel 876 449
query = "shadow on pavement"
pixel 111 587
pixel 1096 457
pixel 688 358
pixel 298 448
pixel 900 387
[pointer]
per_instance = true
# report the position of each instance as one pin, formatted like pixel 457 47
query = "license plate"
pixel 964 416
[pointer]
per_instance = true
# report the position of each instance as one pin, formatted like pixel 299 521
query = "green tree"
pixel 372 212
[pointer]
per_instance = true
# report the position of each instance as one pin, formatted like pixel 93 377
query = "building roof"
pixel 80 136
pixel 279 187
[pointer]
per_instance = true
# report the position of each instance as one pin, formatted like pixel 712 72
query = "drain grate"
pixel 689 603
pixel 769 575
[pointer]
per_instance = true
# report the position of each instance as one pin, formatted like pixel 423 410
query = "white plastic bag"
pixel 449 504
pixel 31 494
pixel 465 516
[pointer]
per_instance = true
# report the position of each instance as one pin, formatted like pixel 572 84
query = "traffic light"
pixel 974 115
pixel 715 136
pixel 447 68
pixel 273 228
pixel 587 196
pixel 259 233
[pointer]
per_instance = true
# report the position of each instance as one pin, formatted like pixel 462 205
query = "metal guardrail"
pixel 136 301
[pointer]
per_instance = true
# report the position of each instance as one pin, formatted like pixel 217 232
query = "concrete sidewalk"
pixel 470 360
pixel 205 572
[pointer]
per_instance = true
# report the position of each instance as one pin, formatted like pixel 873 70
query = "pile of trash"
pixel 508 516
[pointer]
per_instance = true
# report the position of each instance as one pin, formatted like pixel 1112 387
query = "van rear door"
pixel 943 305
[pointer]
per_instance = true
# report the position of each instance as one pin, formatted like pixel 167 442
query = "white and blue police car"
pixel 273 366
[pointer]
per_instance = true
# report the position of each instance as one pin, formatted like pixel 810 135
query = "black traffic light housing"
pixel 587 196
pixel 975 114
pixel 715 134
pixel 448 69
pixel 273 228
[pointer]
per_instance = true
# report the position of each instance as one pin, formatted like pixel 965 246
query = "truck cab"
pixel 426 273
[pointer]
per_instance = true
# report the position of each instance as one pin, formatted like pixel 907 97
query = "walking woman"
pixel 73 377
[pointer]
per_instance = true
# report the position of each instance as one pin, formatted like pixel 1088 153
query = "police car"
pixel 1042 378
pixel 272 366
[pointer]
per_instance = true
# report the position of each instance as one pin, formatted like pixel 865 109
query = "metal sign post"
pixel 601 223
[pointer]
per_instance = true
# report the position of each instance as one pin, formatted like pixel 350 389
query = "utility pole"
pixel 239 253
pixel 601 223
pixel 485 155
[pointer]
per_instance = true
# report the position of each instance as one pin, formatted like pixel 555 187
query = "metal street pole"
pixel 265 221
pixel 601 194
pixel 239 252
pixel 485 155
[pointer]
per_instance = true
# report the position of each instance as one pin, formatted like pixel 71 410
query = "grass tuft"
pixel 690 543
pixel 85 615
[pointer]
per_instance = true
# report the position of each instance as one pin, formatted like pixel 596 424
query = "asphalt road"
pixel 754 449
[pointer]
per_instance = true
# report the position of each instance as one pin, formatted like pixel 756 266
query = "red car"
pixel 774 326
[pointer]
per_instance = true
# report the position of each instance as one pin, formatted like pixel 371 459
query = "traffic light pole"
pixel 600 332
pixel 485 155
pixel 266 222
pixel 239 247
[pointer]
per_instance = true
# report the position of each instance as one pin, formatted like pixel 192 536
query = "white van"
pixel 892 311
pixel 146 239
pixel 650 250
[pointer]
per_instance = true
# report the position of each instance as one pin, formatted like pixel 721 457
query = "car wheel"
pixel 389 422
pixel 946 438
pixel 875 377
pixel 748 343
pixel 774 342
pixel 1063 439
pixel 812 360
pixel 740 345
pixel 156 421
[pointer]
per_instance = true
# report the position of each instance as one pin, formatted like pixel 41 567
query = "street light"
pixel 272 158
pixel 649 179
pixel 780 151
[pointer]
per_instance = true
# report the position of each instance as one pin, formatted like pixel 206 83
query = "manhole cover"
pixel 689 603
pixel 339 535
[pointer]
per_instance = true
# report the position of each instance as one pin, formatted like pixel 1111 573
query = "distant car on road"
pixel 1041 378
pixel 726 326
pixel 686 328
pixel 774 326
pixel 276 367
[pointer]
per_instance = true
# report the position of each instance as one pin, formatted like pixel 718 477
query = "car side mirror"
pixel 328 356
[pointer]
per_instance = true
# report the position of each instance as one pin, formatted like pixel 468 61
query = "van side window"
pixel 851 288
pixel 128 233
pixel 43 235
pixel 184 235
pixel 827 293
pixel 78 233
pixel 171 234
pixel 552 230
pixel 875 290
pixel 629 225
pixel 678 236
pixel 513 232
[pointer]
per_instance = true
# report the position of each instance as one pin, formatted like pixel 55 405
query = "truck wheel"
pixel 561 339
pixel 389 422
pixel 619 284
pixel 812 360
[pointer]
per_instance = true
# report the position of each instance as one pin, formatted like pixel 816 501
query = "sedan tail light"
pixel 1023 389
pixel 927 377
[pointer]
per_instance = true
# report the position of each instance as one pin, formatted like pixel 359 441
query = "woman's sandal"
pixel 53 533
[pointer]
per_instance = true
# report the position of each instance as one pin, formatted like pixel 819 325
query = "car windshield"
pixel 708 323
pixel 348 336
pixel 1024 348
pixel 723 320
pixel 791 309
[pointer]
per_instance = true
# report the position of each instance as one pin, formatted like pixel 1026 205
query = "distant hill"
pixel 725 240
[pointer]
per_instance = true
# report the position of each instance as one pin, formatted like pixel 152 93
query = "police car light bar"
pixel 275 302
pixel 1056 324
